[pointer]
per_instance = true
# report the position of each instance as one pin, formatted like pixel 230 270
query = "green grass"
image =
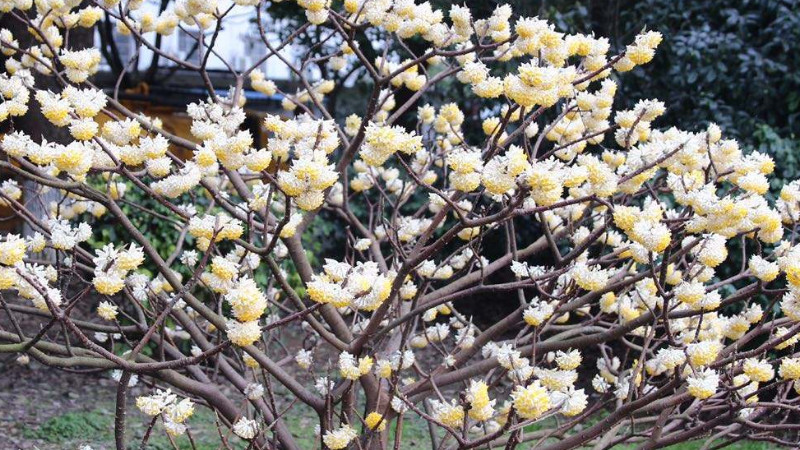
pixel 96 428
pixel 301 422
pixel 72 426
pixel 415 433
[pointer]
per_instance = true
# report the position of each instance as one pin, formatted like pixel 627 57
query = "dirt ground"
pixel 47 408
pixel 32 395
pixel 42 408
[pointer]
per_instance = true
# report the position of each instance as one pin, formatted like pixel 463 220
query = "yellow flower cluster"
pixel 703 384
pixel 381 142
pixel 12 250
pixel 409 77
pixel 80 64
pixel 644 227
pixel 361 286
pixel 634 124
pixel 481 406
pixel 640 52
pixel 15 91
pixel 499 175
pixel 307 179
pixel 450 414
pixel 375 421
pixel 539 86
pixel 531 401
pixel 352 369
pixel 790 369
pixel 703 353
pixel 589 278
pixel 339 438
pixel 107 310
pixel 758 370
pixel 112 267
pixel 260 84
pixel 219 227
pixel 247 301
pixel 466 166
pixel 546 179
pixel 243 333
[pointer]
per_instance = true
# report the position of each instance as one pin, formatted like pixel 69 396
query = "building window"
pixel 126 47
pixel 186 43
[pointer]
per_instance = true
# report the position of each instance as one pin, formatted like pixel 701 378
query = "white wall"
pixel 238 43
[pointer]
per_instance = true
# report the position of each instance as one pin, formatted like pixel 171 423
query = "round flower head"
pixel 790 369
pixel 12 250
pixel 339 438
pixel 107 310
pixel 245 428
pixel 448 413
pixel 375 421
pixel 243 333
pixel 481 407
pixel 758 371
pixel 703 384
pixel 531 401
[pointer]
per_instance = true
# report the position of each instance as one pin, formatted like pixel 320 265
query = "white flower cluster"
pixel 112 266
pixel 361 286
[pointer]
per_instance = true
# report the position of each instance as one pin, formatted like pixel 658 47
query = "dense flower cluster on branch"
pixel 635 312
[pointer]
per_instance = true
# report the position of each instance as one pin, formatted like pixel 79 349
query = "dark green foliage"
pixel 69 426
pixel 733 62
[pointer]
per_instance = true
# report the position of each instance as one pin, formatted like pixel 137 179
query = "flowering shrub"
pixel 626 335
